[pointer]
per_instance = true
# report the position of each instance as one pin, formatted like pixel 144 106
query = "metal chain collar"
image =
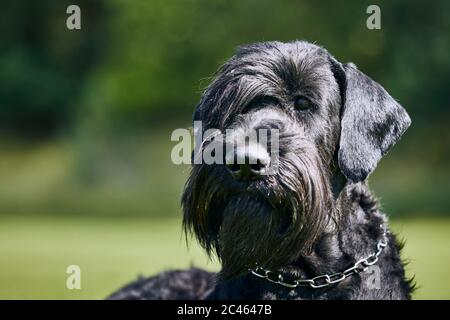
pixel 324 280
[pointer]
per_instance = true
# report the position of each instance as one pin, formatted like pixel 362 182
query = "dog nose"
pixel 247 163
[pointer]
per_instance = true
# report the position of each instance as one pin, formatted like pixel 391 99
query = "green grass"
pixel 35 252
pixel 428 254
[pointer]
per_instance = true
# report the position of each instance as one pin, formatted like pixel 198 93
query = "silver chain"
pixel 325 279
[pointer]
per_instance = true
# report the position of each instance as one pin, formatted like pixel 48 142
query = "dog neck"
pixel 333 252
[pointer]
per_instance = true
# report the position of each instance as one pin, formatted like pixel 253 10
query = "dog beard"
pixel 270 222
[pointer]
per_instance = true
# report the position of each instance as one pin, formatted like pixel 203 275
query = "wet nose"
pixel 247 162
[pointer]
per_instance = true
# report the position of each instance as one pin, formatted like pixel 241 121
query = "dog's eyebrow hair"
pixel 260 100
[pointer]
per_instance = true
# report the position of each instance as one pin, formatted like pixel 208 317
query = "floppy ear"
pixel 371 123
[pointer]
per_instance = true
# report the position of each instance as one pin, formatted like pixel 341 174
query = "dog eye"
pixel 302 103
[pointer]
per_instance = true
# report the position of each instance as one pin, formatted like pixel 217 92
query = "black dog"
pixel 312 230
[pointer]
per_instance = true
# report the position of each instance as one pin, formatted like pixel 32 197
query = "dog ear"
pixel 371 123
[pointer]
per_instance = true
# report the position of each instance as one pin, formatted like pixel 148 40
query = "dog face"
pixel 330 120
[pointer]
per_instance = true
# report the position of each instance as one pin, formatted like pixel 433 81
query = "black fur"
pixel 316 215
pixel 178 284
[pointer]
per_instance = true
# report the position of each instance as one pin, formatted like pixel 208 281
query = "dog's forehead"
pixel 285 66
pixel 294 58
pixel 275 49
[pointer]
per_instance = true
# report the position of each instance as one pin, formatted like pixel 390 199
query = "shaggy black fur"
pixel 178 284
pixel 315 215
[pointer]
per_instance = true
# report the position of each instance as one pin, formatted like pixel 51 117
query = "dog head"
pixel 330 119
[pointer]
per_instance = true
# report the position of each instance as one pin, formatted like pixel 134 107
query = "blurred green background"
pixel 86 117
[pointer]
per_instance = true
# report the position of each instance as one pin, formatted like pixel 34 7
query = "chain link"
pixel 324 280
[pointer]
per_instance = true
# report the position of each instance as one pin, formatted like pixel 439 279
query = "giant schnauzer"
pixel 312 229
